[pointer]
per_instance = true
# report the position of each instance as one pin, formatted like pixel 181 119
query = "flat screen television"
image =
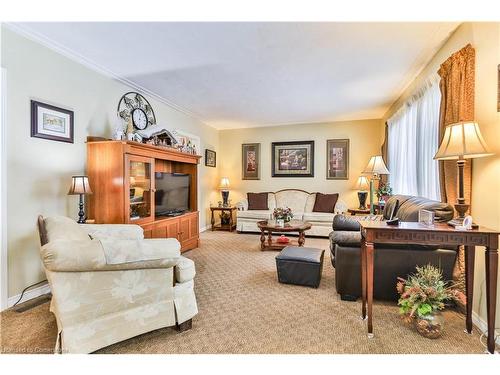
pixel 172 193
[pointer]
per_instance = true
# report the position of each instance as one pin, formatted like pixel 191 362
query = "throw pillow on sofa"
pixel 257 201
pixel 325 202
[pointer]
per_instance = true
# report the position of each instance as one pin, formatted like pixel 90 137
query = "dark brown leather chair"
pixel 391 261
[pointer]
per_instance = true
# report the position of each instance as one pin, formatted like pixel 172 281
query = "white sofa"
pixel 301 202
pixel 109 284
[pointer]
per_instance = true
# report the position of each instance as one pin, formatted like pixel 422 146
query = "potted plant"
pixel 282 215
pixel 383 192
pixel 423 296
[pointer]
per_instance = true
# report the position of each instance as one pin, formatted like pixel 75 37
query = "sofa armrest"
pixel 345 223
pixel 345 238
pixel 123 231
pixel 88 255
pixel 242 205
pixel 340 207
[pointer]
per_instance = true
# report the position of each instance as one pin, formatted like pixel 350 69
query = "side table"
pixel 440 234
pixel 358 211
pixel 232 223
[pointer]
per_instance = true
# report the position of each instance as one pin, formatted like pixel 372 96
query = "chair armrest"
pixel 242 205
pixel 184 270
pixel 88 255
pixel 123 231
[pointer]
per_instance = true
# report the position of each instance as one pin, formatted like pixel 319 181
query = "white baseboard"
pixel 30 294
pixel 482 325
pixel 205 228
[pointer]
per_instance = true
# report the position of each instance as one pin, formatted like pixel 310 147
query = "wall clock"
pixel 133 105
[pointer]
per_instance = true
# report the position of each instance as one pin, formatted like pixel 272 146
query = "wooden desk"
pixel 377 232
pixel 229 227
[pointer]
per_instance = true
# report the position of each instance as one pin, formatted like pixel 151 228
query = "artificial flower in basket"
pixel 423 296
pixel 282 215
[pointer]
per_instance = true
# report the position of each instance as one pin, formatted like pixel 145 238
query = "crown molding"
pixel 82 60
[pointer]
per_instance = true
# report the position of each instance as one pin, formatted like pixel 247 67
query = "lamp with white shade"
pixel 461 141
pixel 375 168
pixel 80 186
pixel 362 185
pixel 224 188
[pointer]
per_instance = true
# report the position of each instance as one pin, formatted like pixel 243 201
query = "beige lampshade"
pixel 462 140
pixel 362 184
pixel 376 166
pixel 224 183
pixel 79 185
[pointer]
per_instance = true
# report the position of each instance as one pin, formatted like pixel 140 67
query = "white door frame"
pixel 3 193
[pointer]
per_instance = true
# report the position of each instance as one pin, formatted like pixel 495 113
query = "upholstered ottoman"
pixel 300 265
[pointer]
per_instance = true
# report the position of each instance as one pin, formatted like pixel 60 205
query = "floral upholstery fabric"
pixel 88 255
pixel 97 304
pixel 122 231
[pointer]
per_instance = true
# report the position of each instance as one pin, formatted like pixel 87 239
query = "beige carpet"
pixel 243 309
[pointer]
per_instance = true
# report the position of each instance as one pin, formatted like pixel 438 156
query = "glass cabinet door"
pixel 140 193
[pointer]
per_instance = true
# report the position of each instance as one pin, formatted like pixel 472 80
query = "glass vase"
pixel 430 325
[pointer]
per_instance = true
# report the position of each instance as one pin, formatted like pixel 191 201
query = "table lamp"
pixel 224 188
pixel 362 185
pixel 375 168
pixel 80 186
pixel 461 140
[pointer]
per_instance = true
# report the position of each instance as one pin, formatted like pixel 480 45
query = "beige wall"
pixel 39 171
pixel 364 142
pixel 485 38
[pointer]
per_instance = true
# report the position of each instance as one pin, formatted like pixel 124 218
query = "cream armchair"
pixel 109 284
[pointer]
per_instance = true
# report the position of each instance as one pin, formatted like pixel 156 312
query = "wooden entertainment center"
pixel 122 178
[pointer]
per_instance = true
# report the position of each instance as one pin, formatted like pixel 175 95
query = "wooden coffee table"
pixel 270 227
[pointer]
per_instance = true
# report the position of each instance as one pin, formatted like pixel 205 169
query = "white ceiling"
pixel 232 75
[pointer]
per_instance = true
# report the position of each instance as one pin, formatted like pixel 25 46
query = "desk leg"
pixel 230 220
pixel 469 285
pixel 269 238
pixel 369 286
pixel 212 221
pixel 363 279
pixel 262 240
pixel 491 262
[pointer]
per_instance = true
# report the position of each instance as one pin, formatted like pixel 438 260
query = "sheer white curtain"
pixel 413 141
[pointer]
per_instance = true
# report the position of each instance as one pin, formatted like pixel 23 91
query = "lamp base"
pixel 461 209
pixel 81 214
pixel 225 198
pixel 362 199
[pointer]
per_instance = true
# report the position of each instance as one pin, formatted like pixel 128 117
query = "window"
pixel 413 133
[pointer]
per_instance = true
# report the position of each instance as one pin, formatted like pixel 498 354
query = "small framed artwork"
pixel 210 158
pixel 293 159
pixel 250 161
pixel 337 159
pixel 50 122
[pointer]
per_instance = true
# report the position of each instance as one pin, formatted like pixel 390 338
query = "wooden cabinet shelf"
pixel 121 175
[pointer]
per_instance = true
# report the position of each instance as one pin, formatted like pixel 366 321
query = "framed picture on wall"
pixel 210 158
pixel 250 161
pixel 51 122
pixel 337 159
pixel 293 159
pixel 498 88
